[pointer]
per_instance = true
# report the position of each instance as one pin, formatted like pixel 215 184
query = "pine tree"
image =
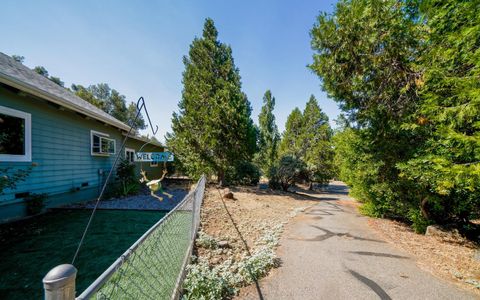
pixel 316 139
pixel 291 143
pixel 268 136
pixel 447 164
pixel 213 129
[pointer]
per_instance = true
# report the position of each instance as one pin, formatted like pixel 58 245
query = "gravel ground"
pixel 142 201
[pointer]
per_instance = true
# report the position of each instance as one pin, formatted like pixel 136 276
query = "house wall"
pixel 61 152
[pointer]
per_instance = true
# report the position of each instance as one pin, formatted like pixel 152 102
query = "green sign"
pixel 153 156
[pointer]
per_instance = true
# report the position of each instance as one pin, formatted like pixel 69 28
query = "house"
pixel 71 143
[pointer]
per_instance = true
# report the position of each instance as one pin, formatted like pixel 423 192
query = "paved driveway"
pixel 329 252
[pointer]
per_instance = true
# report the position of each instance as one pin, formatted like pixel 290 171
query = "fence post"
pixel 194 210
pixel 59 283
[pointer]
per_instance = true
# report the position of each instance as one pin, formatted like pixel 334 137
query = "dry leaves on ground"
pixel 449 260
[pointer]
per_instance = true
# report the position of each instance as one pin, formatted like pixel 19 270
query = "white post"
pixel 59 283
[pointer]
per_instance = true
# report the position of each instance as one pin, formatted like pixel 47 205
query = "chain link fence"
pixel 154 266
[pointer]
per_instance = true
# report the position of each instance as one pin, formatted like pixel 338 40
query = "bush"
pixel 419 223
pixel 245 173
pixel 222 281
pixel 206 241
pixel 203 282
pixel 35 203
pixel 286 172
pixel 127 179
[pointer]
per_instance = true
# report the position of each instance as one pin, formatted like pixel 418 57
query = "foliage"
pixel 291 143
pixel 10 178
pixel 286 172
pixel 18 58
pixel 256 266
pixel 446 166
pixel 268 136
pixel 213 129
pixel 244 173
pixel 205 283
pixel 112 102
pixel 316 137
pixel 222 281
pixel 406 76
pixel 42 71
pixel 308 137
pixel 35 203
pixel 366 54
pixel 206 241
pixel 127 179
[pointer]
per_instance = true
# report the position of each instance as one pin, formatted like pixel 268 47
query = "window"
pixel 101 144
pixel 130 155
pixel 15 135
pixel 154 164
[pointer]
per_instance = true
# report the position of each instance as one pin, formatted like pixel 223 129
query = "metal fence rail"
pixel 154 266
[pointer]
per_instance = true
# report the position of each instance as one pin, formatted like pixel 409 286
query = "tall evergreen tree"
pixel 291 143
pixel 316 139
pixel 213 129
pixel 447 164
pixel 268 136
pixel 366 54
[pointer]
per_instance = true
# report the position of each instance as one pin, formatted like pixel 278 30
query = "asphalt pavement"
pixel 329 252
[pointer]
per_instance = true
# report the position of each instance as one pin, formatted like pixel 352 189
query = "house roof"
pixel 17 75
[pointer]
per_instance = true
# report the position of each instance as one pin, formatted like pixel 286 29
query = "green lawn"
pixel 32 247
pixel 151 272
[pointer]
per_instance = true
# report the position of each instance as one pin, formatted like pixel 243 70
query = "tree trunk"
pixel 221 178
pixel 424 208
pixel 310 186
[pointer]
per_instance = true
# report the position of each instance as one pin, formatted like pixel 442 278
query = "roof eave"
pixel 25 87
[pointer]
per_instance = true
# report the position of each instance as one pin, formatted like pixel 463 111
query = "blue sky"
pixel 137 47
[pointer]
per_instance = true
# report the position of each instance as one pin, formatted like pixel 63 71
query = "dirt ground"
pixel 254 211
pixel 450 260
pixel 249 216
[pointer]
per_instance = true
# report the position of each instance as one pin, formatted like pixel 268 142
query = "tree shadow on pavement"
pixel 328 234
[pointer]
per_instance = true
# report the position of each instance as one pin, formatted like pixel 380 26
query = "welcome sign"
pixel 153 156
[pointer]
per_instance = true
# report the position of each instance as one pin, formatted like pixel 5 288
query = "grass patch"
pixel 32 247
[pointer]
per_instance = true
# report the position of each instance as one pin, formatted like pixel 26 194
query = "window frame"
pixel 126 155
pixel 104 136
pixel 27 117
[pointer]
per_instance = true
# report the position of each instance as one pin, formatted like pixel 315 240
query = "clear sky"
pixel 137 47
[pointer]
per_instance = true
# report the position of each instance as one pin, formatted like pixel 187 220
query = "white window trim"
pixel 106 136
pixel 27 157
pixel 130 150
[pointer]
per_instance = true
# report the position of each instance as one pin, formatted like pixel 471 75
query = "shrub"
pixel 127 180
pixel 419 223
pixel 245 173
pixel 9 178
pixel 206 241
pixel 35 203
pixel 286 172
pixel 256 266
pixel 222 281
pixel 203 282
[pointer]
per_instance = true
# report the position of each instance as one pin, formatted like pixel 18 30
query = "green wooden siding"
pixel 61 150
